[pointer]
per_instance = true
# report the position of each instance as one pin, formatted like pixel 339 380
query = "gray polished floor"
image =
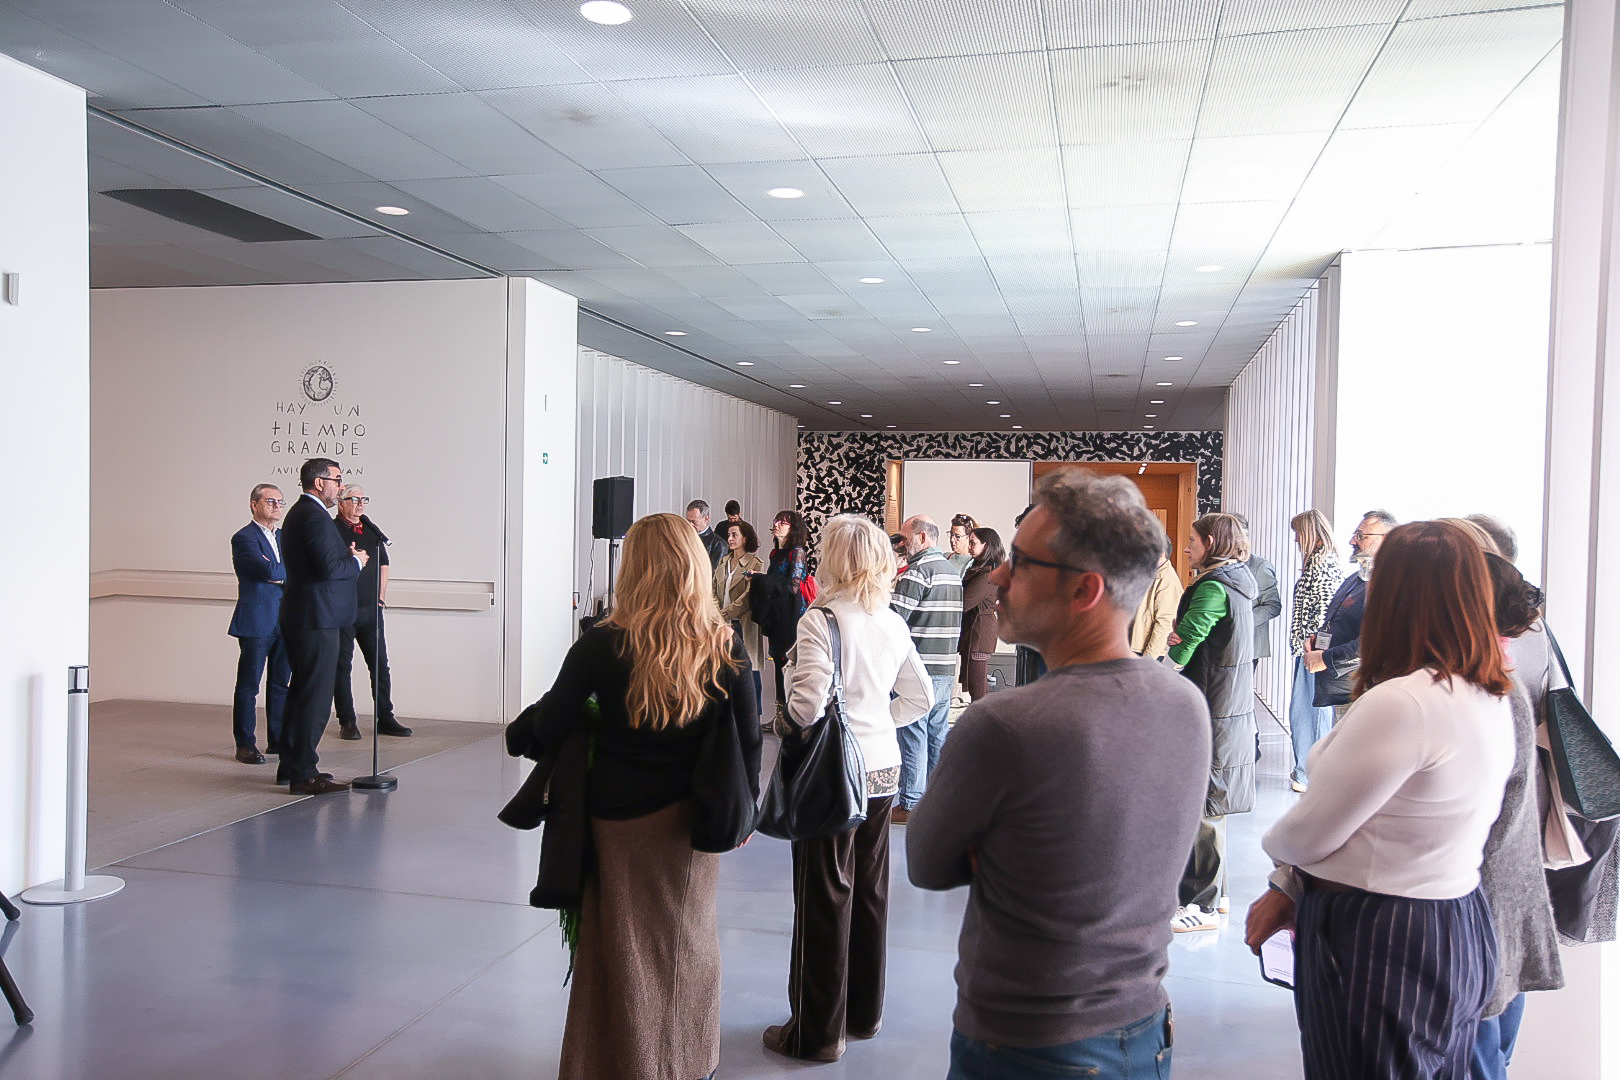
pixel 387 936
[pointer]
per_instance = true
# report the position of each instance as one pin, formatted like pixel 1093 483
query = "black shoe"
pixel 394 728
pixel 249 755
pixel 317 785
pixel 775 1041
pixel 273 749
pixel 349 732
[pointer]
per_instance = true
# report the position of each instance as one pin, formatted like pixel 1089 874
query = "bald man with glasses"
pixel 255 624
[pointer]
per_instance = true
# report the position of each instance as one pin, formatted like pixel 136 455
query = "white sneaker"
pixel 1192 917
pixel 1297 786
pixel 1224 905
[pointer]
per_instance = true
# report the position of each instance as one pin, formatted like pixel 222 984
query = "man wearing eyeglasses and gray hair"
pixel 1068 806
pixel 256 626
pixel 355 527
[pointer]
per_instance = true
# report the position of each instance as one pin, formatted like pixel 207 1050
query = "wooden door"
pixel 1170 488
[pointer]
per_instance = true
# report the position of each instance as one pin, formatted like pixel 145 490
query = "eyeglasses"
pixel 1015 557
pixel 1359 535
pixel 274 502
pixel 338 479
pixel 361 499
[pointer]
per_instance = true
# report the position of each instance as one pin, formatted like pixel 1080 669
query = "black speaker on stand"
pixel 612 510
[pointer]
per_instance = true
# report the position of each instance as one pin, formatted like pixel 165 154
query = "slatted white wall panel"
pixel 680 442
pixel 1270 451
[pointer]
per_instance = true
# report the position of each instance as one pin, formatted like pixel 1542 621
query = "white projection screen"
pixel 994 492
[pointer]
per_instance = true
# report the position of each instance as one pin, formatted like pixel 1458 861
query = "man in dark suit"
pixel 319 599
pixel 697 512
pixel 256 557
pixel 371 594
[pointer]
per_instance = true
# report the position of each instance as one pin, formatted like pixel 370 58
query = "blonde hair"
pixel 857 562
pixel 1475 533
pixel 677 644
pixel 1315 533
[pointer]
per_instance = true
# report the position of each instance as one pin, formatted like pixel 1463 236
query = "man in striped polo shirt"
pixel 929 597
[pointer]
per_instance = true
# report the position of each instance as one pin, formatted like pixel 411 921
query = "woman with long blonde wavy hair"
pixel 667 674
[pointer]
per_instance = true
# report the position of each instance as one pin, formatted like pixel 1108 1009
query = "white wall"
pixel 1442 386
pixel 192 391
pixel 44 438
pixel 1275 414
pixel 680 442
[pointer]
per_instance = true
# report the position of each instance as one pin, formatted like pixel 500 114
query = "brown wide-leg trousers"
pixel 840 933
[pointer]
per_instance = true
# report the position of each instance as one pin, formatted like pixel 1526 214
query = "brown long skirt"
pixel 645 1003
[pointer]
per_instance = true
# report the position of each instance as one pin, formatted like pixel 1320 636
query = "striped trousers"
pixel 1390 988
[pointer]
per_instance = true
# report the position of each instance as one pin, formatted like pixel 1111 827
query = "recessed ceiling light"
pixel 871 281
pixel 1018 427
pixel 952 363
pixel 1148 426
pixel 801 425
pixel 795 386
pixel 1210 269
pixel 785 193
pixel 674 333
pixel 1157 401
pixel 745 363
pixel 1188 322
pixel 392 211
pixel 835 402
pixel 1164 384
pixel 1175 358
pixel 922 329
pixel 888 425
pixel 992 403
pixel 1150 416
pixel 866 416
pixel 1006 416
pixel 975 384
pixel 607 13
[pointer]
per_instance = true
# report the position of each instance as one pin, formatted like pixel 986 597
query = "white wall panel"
pixel 1270 460
pixel 680 442
pixel 44 435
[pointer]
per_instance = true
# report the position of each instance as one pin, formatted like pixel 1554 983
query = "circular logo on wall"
pixel 318 383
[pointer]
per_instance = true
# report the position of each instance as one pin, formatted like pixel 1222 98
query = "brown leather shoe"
pixel 349 732
pixel 899 816
pixel 317 785
pixel 249 755
pixel 775 1040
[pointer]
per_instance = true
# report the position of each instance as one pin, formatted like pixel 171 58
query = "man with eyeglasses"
pixel 1068 806
pixel 355 527
pixel 255 624
pixel 318 601
pixel 929 597
pixel 1334 652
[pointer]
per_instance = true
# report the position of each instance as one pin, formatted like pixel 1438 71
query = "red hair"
pixel 1430 604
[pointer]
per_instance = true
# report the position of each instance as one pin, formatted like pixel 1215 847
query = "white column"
pixel 1566 1034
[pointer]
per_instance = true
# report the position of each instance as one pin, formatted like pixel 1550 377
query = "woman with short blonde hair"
pixel 668 673
pixel 841 883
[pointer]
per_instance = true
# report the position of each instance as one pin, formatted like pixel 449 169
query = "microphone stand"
pixel 377 781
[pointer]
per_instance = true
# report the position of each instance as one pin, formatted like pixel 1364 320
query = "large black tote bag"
pixel 818 787
pixel 1588 767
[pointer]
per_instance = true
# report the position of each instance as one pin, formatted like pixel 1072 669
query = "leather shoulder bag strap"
pixel 836 646
pixel 1558 654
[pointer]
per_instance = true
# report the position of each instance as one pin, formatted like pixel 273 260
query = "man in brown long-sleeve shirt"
pixel 1068 806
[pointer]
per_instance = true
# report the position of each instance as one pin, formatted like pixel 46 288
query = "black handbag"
pixel 818 787
pixel 1587 765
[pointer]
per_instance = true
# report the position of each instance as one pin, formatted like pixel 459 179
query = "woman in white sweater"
pixel 841 883
pixel 1379 861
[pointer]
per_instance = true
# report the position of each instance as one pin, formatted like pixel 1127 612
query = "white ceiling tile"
pixel 468 130
pixel 656 246
pixel 842 111
pixel 991 180
pixel 981 102
pixel 1129 93
pixel 1022 232
pixel 592 128
pixel 784 279
pixel 579 199
pixel 1125 174
pixel 748 182
pixel 662 40
pixel 763 34
pixel 893 184
pixel 1245 168
pixel 836 239
pixel 1123 269
pixel 481 203
pixel 741 242
pixel 677 194
pixel 1135 229
pixel 1268 16
pixel 481 44
pixel 913 28
pixel 1100 22
pixel 1286 82
pixel 711 119
pixel 938 236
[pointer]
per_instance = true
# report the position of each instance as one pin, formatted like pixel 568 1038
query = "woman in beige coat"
pixel 731 590
pixel 1156 616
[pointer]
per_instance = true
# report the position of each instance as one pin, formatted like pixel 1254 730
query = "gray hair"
pixel 1104 525
pixel 349 489
pixel 1383 517
pixel 1502 536
pixel 699 505
pixel 922 523
pixel 260 489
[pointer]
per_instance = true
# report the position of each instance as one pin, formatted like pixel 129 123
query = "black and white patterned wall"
pixel 844 470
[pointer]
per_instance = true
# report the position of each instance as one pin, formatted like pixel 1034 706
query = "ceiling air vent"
pixel 206 212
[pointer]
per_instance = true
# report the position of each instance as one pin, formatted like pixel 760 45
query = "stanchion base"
pixel 379 782
pixel 95 887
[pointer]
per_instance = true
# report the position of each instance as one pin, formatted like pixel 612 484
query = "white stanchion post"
pixel 75 887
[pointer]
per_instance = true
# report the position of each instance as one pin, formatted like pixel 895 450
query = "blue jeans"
pixel 1493 1046
pixel 256 653
pixel 1307 722
pixel 1133 1052
pixel 921 742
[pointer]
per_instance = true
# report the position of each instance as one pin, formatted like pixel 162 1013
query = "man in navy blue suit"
pixel 256 556
pixel 318 600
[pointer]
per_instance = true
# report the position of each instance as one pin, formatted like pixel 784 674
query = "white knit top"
pixel 1403 790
